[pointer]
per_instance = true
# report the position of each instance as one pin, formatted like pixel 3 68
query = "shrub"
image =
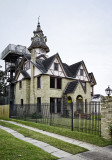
pixel 36 116
pixel 110 131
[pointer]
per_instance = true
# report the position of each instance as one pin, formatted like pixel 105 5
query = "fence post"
pixel 50 114
pixel 25 114
pixel 72 116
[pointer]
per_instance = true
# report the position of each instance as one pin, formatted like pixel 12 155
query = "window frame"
pixel 38 82
pixel 56 68
pixel 81 72
pixel 56 82
pixel 20 84
pixel 22 102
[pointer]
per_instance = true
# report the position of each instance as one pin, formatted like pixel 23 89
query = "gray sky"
pixel 76 29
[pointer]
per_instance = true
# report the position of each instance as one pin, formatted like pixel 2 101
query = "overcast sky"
pixel 76 29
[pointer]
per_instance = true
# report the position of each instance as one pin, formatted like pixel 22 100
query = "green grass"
pixel 70 148
pixel 91 125
pixel 90 138
pixel 12 148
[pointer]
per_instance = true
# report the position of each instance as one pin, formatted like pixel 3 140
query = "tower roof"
pixel 39 40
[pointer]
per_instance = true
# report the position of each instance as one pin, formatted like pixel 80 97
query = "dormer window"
pixel 81 72
pixel 56 66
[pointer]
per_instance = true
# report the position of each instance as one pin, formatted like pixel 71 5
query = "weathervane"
pixel 38 19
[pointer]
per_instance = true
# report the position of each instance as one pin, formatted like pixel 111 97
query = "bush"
pixel 36 116
pixel 110 131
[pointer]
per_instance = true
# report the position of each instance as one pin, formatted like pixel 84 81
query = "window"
pixel 38 82
pixel 55 105
pixel 20 84
pixel 85 105
pixel 58 105
pixel 84 85
pixel 55 82
pixel 81 72
pixel 58 83
pixel 21 102
pixel 52 82
pixel 56 66
pixel 39 104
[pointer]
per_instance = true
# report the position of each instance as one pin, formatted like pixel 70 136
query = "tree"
pixel 2 82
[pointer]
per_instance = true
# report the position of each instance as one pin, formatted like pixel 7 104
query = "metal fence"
pixel 77 117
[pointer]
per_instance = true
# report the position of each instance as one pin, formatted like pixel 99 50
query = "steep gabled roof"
pixel 75 68
pixel 71 87
pixel 92 78
pixel 67 70
pixel 25 74
pixel 48 62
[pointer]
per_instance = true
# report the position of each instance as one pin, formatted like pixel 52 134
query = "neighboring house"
pixel 96 103
pixel 42 79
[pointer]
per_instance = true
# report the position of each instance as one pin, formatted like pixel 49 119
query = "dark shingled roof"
pixel 67 70
pixel 40 65
pixel 25 74
pixel 39 40
pixel 74 68
pixel 92 78
pixel 71 87
pixel 48 62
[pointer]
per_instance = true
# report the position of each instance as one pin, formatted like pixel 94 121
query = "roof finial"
pixel 38 20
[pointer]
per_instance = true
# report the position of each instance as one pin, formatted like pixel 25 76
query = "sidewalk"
pixel 63 138
pixel 46 147
pixel 94 153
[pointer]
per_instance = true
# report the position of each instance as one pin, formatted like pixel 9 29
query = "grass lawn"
pixel 12 148
pixel 90 138
pixel 73 149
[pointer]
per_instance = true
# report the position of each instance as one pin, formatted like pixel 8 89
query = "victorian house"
pixel 43 79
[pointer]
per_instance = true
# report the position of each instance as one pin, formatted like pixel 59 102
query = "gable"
pixel 37 71
pixel 20 77
pixel 59 72
pixel 82 74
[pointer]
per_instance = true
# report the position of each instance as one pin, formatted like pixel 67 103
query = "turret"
pixel 39 42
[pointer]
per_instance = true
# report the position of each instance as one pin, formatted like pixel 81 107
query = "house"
pixel 96 103
pixel 42 79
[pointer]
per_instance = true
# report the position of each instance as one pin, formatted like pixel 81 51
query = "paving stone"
pixel 50 149
pixel 66 139
pixel 46 147
pixel 61 154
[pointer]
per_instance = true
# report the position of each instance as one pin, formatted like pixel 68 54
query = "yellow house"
pixel 44 80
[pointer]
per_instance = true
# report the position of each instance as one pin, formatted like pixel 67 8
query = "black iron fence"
pixel 77 117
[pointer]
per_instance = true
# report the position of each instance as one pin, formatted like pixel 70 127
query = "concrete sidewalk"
pixel 46 147
pixel 104 154
pixel 94 153
pixel 63 138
